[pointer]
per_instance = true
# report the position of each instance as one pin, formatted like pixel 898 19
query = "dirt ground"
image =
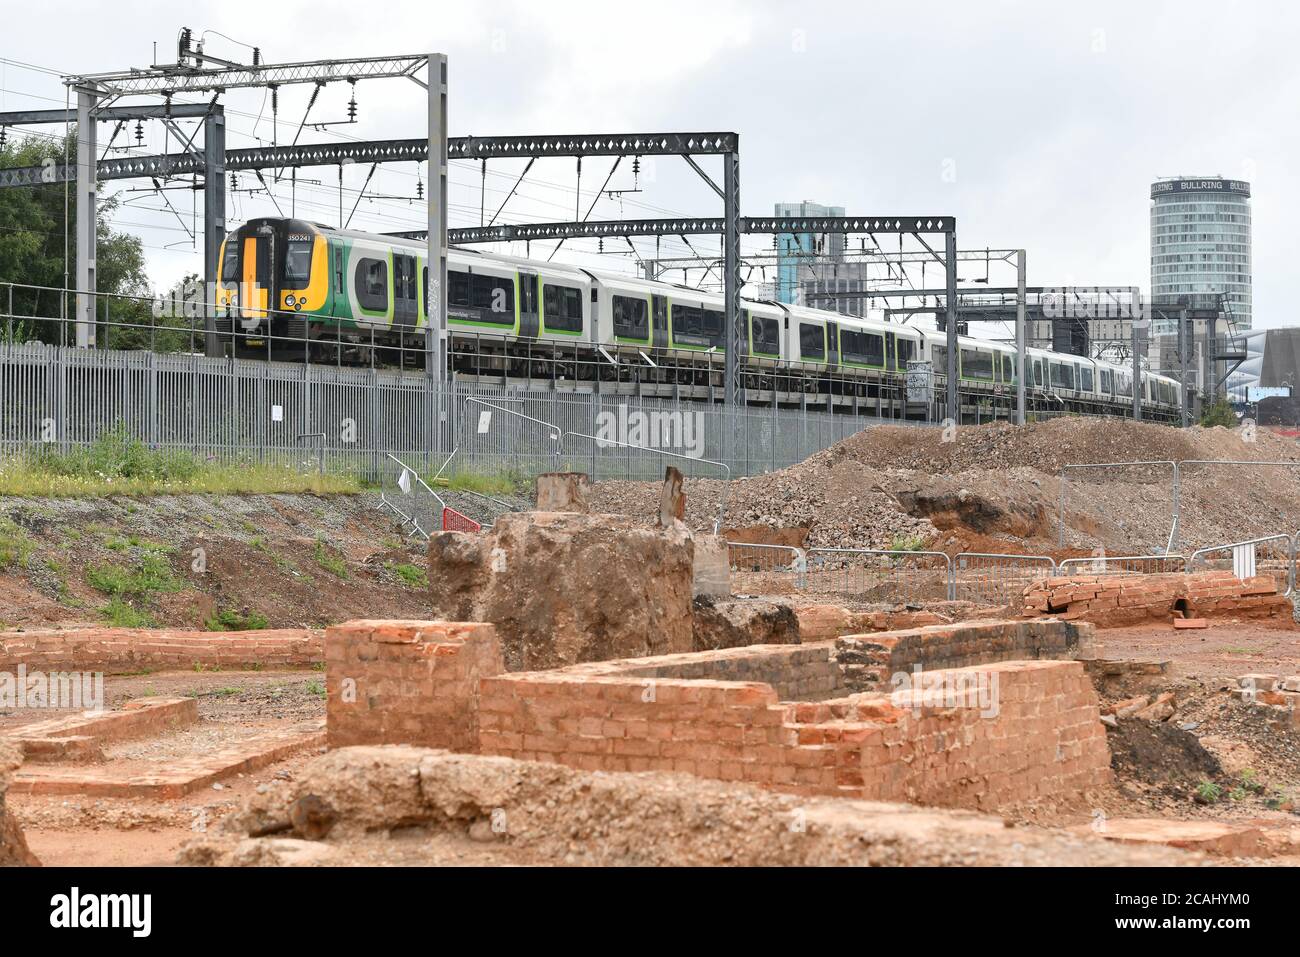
pixel 82 831
pixel 292 560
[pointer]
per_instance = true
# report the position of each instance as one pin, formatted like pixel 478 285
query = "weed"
pixel 413 575
pixel 1207 792
pixel 228 620
pixel 15 546
pixel 907 543
pixel 120 614
pixel 316 688
pixel 331 563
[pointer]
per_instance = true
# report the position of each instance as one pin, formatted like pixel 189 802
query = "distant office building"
pixel 808 263
pixel 1200 243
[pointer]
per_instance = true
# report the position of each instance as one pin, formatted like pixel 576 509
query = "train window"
pixel 458 294
pixel 1062 375
pixel 939 359
pixel 494 295
pixel 562 307
pixel 976 364
pixel 1107 381
pixel 230 262
pixel 866 347
pixel 371 282
pixel 713 323
pixel 1038 373
pixel 766 335
pixel 812 341
pixel 1124 385
pixel 906 351
pixel 297 263
pixel 631 318
pixel 404 278
pixel 1085 378
pixel 696 326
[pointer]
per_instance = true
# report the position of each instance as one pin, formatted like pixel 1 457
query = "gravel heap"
pixel 846 494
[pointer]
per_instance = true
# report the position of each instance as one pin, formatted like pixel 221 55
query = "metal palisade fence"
pixel 349 420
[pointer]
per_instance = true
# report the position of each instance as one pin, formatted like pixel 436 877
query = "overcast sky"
pixel 1036 125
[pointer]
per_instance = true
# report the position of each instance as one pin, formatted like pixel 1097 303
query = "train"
pixel 298 290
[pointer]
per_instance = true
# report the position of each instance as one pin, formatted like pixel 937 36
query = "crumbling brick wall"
pixel 868 661
pixel 1115 600
pixel 1037 735
pixel 130 649
pixel 407 682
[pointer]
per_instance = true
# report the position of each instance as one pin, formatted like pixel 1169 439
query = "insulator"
pixel 139 132
pixel 419 188
pixel 234 183
pixel 183 44
pixel 4 134
pixel 257 56
pixel 275 99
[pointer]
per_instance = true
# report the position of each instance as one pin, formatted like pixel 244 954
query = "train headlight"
pixel 288 300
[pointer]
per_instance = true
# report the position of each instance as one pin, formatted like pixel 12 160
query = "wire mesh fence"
pixel 870 575
pixel 348 420
pixel 1122 565
pixel 1273 556
pixel 988 578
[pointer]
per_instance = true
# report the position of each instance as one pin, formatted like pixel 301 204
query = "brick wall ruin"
pixel 776 715
pixel 1115 600
pixel 407 682
pixel 868 661
pixel 120 650
pixel 1034 733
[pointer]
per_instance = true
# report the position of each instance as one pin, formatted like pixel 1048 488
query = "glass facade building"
pixel 1200 242
pixel 794 249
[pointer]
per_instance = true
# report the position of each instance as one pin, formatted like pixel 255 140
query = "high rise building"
pixel 813 263
pixel 1200 243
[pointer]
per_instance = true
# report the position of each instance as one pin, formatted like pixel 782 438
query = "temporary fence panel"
pixel 1122 565
pixel 766 569
pixel 990 578
pixel 871 575
pixel 1272 555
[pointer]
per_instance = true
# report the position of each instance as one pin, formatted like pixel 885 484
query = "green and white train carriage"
pixel 294 289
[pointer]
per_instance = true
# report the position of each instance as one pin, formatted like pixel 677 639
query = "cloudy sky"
pixel 1036 125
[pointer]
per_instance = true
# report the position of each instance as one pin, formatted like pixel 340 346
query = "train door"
pixel 832 344
pixel 891 356
pixel 530 311
pixel 659 322
pixel 258 290
pixel 406 295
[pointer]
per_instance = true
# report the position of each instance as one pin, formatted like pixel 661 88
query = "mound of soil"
pixel 1159 754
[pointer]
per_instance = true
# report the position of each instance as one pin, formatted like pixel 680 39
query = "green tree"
pixel 32 256
pixel 1219 412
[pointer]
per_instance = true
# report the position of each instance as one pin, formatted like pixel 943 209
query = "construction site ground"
pixel 311 561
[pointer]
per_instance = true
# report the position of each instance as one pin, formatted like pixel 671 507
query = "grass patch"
pixel 151 576
pixel 15 546
pixel 485 483
pixel 224 692
pixel 331 563
pixel 316 688
pixel 227 620
pixel 119 464
pixel 122 614
pixel 413 575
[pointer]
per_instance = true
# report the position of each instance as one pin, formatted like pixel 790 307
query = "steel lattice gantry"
pixel 915 225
